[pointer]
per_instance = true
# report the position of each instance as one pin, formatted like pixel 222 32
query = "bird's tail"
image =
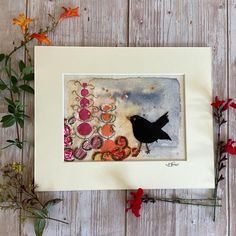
pixel 164 135
pixel 162 121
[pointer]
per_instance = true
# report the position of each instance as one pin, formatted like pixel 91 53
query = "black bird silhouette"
pixel 149 132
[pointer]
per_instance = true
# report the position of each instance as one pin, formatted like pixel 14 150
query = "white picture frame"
pixel 53 174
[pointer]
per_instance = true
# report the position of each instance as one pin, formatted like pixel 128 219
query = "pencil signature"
pixel 171 164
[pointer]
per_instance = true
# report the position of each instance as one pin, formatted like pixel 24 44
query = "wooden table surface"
pixel 125 23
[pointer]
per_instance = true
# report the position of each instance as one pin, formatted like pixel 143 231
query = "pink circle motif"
pixel 84 114
pixel 84 129
pixel 84 85
pixel 67 141
pixel 67 130
pixel 84 102
pixel 84 92
pixel 68 154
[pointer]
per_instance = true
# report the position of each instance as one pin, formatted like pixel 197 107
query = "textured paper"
pixel 147 96
pixel 52 173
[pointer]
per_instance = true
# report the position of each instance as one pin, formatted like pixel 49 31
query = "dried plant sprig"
pixel 17 195
pixel 139 198
pixel 222 148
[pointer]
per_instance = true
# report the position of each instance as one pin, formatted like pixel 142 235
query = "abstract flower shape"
pixel 84 92
pixel 230 147
pixel 68 154
pixel 84 129
pixel 84 114
pixel 121 141
pixel 107 156
pixel 67 141
pixel 41 37
pixel 97 156
pixel 107 107
pixel 135 204
pixel 86 145
pixel 107 130
pixel 67 130
pixel 69 12
pixel 107 117
pixel 108 146
pixel 118 154
pixel 96 142
pixel 22 22
pixel 79 153
pixel 135 151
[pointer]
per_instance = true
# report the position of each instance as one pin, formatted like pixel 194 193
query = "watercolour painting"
pixel 124 117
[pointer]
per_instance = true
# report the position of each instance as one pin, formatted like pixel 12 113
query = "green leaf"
pixel 10 141
pixel 2 56
pixel 28 70
pixel 40 213
pixel 39 226
pixel 26 88
pixel 20 121
pixel 51 203
pixel 21 65
pixel 29 77
pixel 8 121
pixel 13 80
pixel 9 101
pixel 15 89
pixel 2 86
pixel 11 109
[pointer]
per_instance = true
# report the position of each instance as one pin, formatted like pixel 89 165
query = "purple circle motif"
pixel 96 142
pixel 84 102
pixel 79 153
pixel 86 145
pixel 84 114
pixel 84 129
pixel 84 92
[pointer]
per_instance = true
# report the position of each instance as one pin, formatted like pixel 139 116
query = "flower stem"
pixel 195 202
pixel 217 157
pixel 48 218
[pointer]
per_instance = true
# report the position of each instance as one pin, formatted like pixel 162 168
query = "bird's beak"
pixel 128 117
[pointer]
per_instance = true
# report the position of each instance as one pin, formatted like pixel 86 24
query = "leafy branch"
pixel 14 194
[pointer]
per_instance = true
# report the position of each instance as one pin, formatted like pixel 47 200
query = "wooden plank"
pixel 9 9
pixel 232 113
pixel 102 23
pixel 181 23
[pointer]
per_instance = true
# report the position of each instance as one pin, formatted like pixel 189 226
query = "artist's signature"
pixel 171 164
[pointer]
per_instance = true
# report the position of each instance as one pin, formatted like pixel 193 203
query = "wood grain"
pixel 89 212
pixel 131 23
pixel 181 23
pixel 10 224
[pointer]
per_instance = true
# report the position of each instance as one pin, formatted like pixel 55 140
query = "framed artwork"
pixel 122 118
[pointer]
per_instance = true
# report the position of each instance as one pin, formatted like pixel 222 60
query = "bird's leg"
pixel 139 146
pixel 148 150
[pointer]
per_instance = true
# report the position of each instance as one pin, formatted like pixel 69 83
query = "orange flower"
pixel 69 12
pixel 42 38
pixel 22 22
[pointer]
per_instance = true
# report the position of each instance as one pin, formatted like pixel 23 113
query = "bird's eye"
pixel 134 118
